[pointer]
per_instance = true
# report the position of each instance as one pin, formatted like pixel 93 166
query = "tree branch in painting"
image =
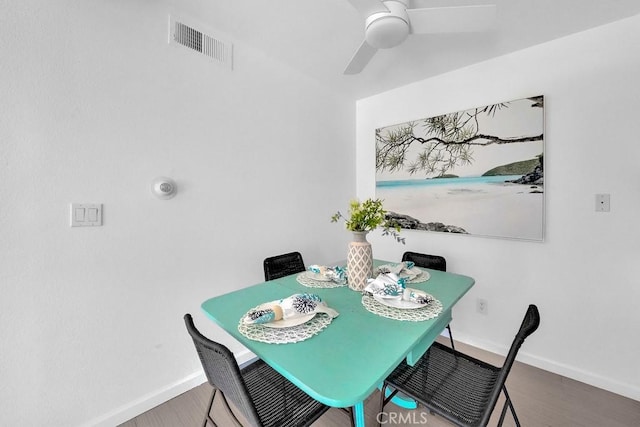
pixel 448 141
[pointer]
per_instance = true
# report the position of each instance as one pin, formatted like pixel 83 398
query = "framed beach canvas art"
pixel 478 171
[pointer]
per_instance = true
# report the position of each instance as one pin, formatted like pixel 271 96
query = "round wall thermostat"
pixel 164 188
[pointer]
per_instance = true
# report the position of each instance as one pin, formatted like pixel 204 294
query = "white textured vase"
pixel 359 261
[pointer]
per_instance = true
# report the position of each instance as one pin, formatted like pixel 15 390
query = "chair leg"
pixel 349 411
pixel 384 400
pixel 229 410
pixel 207 415
pixel 453 347
pixel 504 408
pixel 383 390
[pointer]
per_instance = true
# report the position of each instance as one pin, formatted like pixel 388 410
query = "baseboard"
pixel 623 389
pixel 153 399
pixel 157 397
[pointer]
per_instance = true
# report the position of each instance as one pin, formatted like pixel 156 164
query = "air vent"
pixel 213 47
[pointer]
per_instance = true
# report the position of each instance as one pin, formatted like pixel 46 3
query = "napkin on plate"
pixel 386 285
pixel 335 274
pixel 416 296
pixel 287 308
pixel 402 269
pixel 389 285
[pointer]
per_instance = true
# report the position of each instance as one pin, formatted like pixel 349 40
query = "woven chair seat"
pixel 459 387
pixel 454 385
pixel 262 395
pixel 278 402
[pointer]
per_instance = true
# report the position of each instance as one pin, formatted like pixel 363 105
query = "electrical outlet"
pixel 603 203
pixel 482 306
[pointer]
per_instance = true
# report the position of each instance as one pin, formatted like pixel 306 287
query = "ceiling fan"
pixel 389 22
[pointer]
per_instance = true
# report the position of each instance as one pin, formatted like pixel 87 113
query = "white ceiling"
pixel 319 37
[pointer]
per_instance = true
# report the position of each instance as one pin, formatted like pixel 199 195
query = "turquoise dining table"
pixel 345 362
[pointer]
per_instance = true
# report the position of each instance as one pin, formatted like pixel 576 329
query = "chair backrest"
pixel 434 262
pixel 222 372
pixel 529 325
pixel 279 266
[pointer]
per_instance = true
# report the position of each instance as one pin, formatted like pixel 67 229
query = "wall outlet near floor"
pixel 482 306
pixel 603 202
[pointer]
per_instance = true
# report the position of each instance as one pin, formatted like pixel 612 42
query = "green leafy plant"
pixel 367 216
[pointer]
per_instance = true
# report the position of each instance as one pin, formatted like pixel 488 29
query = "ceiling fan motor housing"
pixel 384 30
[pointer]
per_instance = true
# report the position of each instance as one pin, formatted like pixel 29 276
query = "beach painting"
pixel 478 172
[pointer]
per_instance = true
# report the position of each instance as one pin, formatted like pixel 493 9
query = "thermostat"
pixel 164 188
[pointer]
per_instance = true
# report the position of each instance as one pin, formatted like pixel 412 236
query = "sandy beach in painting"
pixel 496 209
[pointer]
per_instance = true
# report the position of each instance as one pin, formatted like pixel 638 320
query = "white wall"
pixel 95 104
pixel 585 276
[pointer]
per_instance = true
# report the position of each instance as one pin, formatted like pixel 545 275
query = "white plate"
pixel 422 277
pixel 388 297
pixel 287 323
pixel 399 303
pixel 317 276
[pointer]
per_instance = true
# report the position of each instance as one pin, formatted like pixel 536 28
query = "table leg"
pixel 423 345
pixel 415 354
pixel 358 414
pixel 400 399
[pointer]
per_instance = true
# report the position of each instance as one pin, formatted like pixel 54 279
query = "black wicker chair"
pixel 279 266
pixel 262 395
pixel 435 262
pixel 283 265
pixel 462 389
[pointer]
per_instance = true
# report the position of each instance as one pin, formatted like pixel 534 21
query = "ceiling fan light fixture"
pixel 386 31
pixel 389 22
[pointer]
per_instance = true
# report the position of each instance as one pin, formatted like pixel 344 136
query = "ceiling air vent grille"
pixel 212 47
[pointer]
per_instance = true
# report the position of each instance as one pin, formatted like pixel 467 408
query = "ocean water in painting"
pixel 482 205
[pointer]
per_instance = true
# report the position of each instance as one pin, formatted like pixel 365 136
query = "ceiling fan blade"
pixel 368 7
pixel 458 19
pixel 361 58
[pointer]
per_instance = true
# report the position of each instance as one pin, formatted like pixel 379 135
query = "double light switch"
pixel 86 214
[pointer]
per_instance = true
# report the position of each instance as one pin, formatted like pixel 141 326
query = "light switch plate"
pixel 86 214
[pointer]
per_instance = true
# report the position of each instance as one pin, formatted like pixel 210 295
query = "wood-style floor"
pixel 540 398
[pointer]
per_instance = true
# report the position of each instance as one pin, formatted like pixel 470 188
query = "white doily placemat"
pixel 430 311
pixel 305 279
pixel 422 277
pixel 285 335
